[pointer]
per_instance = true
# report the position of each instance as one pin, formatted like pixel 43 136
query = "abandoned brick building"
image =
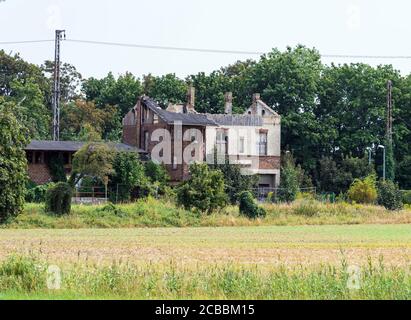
pixel 251 140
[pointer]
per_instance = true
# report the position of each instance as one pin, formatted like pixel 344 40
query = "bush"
pixel 58 199
pixel 37 194
pixel 308 208
pixel 363 191
pixel 289 180
pixel 406 197
pixel 249 208
pixel 204 191
pixel 389 195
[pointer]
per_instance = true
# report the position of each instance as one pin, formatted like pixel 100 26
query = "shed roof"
pixel 73 146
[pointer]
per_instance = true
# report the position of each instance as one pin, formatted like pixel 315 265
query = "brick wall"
pixel 39 173
pixel 270 162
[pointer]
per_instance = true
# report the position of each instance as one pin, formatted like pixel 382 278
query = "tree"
pixel 82 120
pixel 30 108
pixel 404 173
pixel 95 160
pixel 235 181
pixel 203 191
pixel 249 208
pixel 363 190
pixel 289 180
pixel 128 173
pixel 389 195
pixel 70 80
pixel 121 93
pixel 165 89
pixel 13 164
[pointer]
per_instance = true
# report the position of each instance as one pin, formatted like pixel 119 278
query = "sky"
pixel 353 27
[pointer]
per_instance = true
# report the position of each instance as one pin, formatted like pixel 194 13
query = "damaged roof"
pixel 236 120
pixel 73 146
pixel 191 119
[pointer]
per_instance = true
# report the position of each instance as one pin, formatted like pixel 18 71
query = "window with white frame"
pixel 241 145
pixel 222 142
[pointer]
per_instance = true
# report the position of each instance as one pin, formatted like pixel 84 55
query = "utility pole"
pixel 389 131
pixel 60 34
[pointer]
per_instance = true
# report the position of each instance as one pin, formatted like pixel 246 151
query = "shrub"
pixel 308 208
pixel 289 181
pixel 363 191
pixel 58 199
pixel 249 208
pixel 37 194
pixel 389 195
pixel 406 197
pixel 204 191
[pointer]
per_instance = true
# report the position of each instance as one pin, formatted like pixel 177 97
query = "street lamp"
pixel 369 149
pixel 383 161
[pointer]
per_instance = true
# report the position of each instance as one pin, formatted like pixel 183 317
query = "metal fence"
pixel 273 194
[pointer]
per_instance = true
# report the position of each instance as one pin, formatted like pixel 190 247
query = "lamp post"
pixel 383 161
pixel 369 149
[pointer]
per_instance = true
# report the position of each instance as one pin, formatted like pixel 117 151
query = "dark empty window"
pixel 262 144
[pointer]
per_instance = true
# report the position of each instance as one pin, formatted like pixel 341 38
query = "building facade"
pixel 179 136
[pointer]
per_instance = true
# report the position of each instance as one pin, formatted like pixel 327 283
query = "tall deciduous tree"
pixel 13 164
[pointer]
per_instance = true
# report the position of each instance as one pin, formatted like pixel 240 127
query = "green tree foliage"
pixel 158 177
pixel 204 191
pixel 338 177
pixel 404 173
pixel 13 164
pixel 249 208
pixel 289 180
pixel 122 92
pixel 30 108
pixel 363 190
pixel 58 199
pixel 70 80
pixel 37 194
pixel 235 181
pixel 82 120
pixel 128 173
pixel 389 195
pixel 165 89
pixel 94 160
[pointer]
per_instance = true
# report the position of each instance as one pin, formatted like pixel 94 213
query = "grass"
pixel 26 278
pixel 157 213
pixel 267 262
pixel 266 245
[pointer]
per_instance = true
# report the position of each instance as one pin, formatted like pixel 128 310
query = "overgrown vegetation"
pixel 204 191
pixel 26 275
pixel 248 206
pixel 58 199
pixel 363 190
pixel 154 213
pixel 13 163
pixel 389 195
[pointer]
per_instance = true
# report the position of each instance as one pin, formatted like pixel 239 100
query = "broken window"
pixel 262 144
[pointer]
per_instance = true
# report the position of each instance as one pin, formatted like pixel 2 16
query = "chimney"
pixel 228 97
pixel 256 97
pixel 190 100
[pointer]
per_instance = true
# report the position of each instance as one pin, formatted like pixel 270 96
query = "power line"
pixel 204 50
pixel 24 42
pixel 143 46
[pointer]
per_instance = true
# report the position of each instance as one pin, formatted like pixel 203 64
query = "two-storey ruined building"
pixel 179 135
